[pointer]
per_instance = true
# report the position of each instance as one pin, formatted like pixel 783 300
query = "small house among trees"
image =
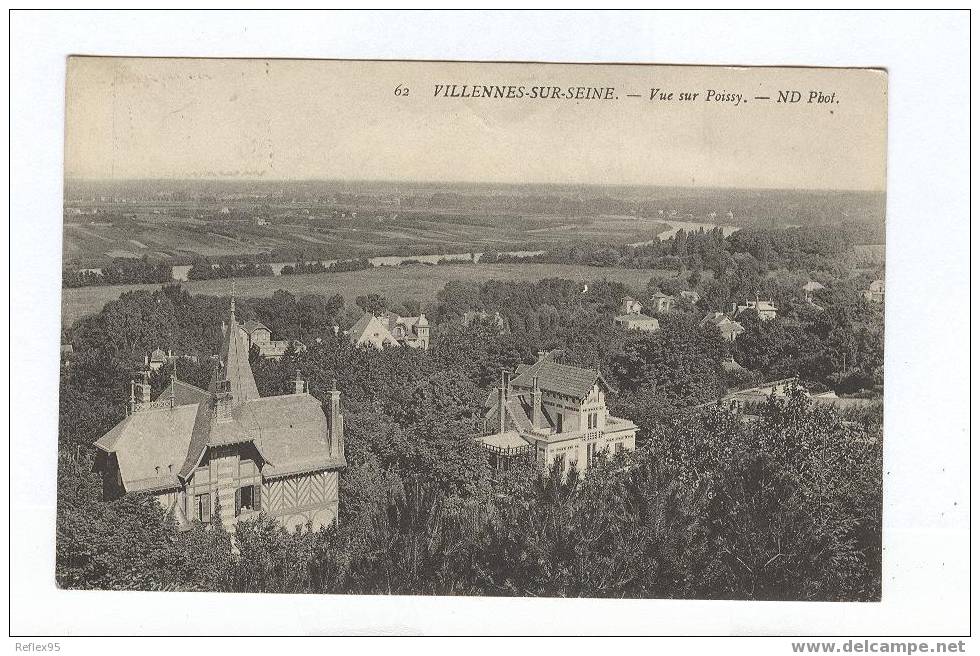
pixel 390 329
pixel 631 317
pixel 259 336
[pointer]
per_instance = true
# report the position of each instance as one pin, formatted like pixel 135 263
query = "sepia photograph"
pixel 329 324
pixel 472 329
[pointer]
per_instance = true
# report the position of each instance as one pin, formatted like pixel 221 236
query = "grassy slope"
pixel 397 283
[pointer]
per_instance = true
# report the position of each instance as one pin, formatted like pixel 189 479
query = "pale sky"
pixel 306 119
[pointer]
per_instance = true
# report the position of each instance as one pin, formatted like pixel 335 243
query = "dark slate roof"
pixel 199 434
pixel 575 382
pixel 361 324
pixel 518 409
pixel 183 393
pixel 519 414
pixel 237 370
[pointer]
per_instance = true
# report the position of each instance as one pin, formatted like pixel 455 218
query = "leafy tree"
pixel 127 544
pixel 373 303
pixel 682 361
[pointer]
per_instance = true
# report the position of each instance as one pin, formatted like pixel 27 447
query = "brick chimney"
pixel 537 415
pixel 299 385
pixel 542 355
pixel 502 400
pixel 335 422
pixel 143 389
pixel 131 406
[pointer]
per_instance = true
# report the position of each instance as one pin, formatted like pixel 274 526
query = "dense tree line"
pixel 787 507
pixel 225 268
pixel 121 271
pixel 815 248
pixel 319 267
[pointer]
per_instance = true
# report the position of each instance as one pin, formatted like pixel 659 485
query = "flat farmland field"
pixel 395 282
pixel 172 236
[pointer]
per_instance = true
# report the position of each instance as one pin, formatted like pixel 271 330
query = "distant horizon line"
pixel 466 182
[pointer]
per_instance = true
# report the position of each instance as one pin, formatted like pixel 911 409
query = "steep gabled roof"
pixel 519 414
pixel 569 380
pixel 368 324
pixel 360 326
pixel 291 434
pixel 150 445
pixel 237 370
pixel 722 322
pixel 199 434
pixel 716 318
pixel 159 445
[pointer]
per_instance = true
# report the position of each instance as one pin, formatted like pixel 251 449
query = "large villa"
pixel 228 452
pixel 550 411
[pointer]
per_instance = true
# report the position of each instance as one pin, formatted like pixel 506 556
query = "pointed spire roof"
pixel 237 371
